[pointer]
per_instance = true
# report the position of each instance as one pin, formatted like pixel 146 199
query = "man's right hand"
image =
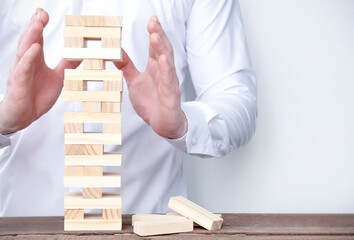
pixel 32 87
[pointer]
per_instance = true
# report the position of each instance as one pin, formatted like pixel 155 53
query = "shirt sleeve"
pixel 223 115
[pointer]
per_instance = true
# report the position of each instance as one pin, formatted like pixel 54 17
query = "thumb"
pixel 63 64
pixel 127 66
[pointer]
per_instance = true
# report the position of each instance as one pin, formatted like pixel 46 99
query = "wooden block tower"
pixel 84 151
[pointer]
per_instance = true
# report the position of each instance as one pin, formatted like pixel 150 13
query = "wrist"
pixel 182 128
pixel 4 128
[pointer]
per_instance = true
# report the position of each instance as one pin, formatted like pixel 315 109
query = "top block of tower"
pixel 78 29
pixel 93 21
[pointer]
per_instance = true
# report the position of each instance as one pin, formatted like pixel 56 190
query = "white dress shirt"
pixel 208 39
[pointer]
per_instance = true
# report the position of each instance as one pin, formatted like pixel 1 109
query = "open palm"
pixel 155 93
pixel 32 87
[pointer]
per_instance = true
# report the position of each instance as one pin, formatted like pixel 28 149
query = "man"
pixel 204 36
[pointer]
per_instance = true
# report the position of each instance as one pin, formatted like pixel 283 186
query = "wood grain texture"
pixel 112 85
pixel 93 222
pixel 74 42
pixel 93 75
pixel 107 180
pixel 149 217
pixel 91 117
pixel 111 128
pixel 93 21
pixel 107 159
pixel 236 226
pixel 74 214
pixel 94 64
pixel 73 127
pixel 74 171
pixel 111 54
pixel 93 138
pixel 110 42
pixel 110 213
pixel 91 106
pixel 91 96
pixel 73 200
pixel 83 149
pixel 196 213
pixel 165 226
pixel 91 192
pixel 195 224
pixel 91 32
pixel 111 107
pixel 74 85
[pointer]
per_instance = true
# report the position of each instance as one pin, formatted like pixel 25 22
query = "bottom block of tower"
pixel 93 222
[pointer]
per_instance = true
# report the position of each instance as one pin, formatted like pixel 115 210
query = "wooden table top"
pixel 236 226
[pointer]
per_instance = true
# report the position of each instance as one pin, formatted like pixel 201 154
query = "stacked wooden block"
pixel 84 151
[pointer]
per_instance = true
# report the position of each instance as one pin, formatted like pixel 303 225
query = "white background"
pixel 301 159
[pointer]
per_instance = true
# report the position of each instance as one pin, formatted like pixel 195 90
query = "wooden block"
pixel 179 215
pixel 113 21
pixel 73 200
pixel 74 214
pixel 91 96
pixel 112 54
pixel 93 75
pixel 74 171
pixel 107 159
pixel 107 180
pixel 112 85
pixel 74 85
pixel 111 128
pixel 93 21
pixel 91 32
pixel 91 106
pixel 74 20
pixel 94 64
pixel 111 214
pixel 93 222
pixel 83 149
pixel 110 42
pixel 93 138
pixel 111 107
pixel 74 42
pixel 196 213
pixel 91 117
pixel 165 226
pixel 149 217
pixel 93 171
pixel 73 127
pixel 91 193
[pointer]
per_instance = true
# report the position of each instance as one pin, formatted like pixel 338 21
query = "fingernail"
pixel 38 16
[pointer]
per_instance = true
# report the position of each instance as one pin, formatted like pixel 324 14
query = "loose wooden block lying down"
pixel 161 226
pixel 196 213
pixel 195 224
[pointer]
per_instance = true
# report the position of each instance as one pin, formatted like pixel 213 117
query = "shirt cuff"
pixel 179 143
pixel 5 140
pixel 197 141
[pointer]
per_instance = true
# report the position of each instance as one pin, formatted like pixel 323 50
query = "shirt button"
pixel 194 141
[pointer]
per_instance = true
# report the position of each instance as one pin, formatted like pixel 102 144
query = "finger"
pixel 159 42
pixel 168 81
pixel 24 32
pixel 24 68
pixel 156 47
pixel 63 64
pixel 34 33
pixel 44 17
pixel 127 66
